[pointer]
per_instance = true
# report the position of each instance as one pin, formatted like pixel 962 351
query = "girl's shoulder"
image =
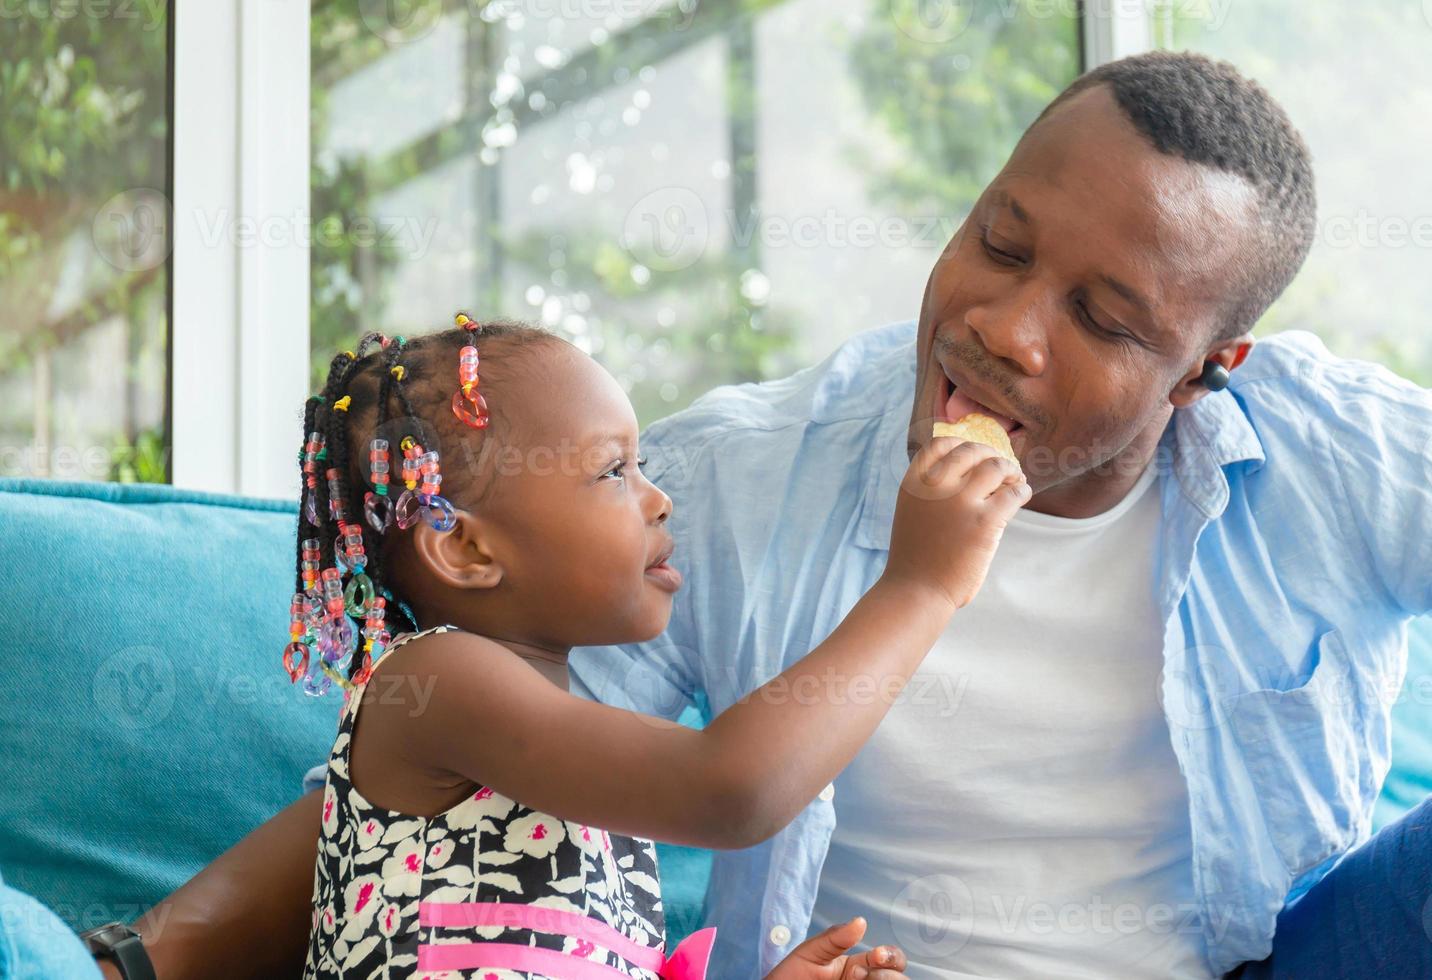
pixel 433 644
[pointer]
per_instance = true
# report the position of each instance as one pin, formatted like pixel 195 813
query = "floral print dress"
pixel 489 889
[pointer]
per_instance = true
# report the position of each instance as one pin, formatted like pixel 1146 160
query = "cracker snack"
pixel 980 428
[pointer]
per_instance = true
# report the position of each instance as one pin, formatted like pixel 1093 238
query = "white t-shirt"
pixel 1020 812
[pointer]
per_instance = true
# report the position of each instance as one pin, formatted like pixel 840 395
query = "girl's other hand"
pixel 825 957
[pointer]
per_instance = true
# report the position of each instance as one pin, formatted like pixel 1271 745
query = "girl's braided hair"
pixel 385 389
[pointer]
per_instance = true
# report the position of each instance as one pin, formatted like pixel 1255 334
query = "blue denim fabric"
pixel 1371 916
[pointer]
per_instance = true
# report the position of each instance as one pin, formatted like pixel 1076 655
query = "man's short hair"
pixel 1205 112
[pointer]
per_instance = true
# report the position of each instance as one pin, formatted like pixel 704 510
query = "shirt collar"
pixel 1204 437
pixel 1200 440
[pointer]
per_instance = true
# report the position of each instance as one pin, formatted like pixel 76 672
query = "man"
pixel 1166 713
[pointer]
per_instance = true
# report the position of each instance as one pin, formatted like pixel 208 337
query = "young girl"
pixel 481 821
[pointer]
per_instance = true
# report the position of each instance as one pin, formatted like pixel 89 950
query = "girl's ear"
pixel 463 557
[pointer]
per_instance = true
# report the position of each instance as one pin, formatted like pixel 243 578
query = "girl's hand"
pixel 954 503
pixel 824 957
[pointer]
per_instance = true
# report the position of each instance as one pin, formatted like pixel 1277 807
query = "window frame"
pixel 240 311
pixel 239 307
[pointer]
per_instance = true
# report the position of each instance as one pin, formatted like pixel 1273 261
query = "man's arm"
pixel 245 915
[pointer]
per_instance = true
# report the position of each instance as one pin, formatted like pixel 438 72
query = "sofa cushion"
pixel 155 723
pixel 1410 780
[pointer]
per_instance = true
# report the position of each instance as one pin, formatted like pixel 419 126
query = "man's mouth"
pixel 957 399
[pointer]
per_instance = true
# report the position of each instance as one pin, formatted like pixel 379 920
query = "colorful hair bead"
pixel 337 506
pixel 375 632
pixel 359 594
pixel 310 564
pixel 438 511
pixel 295 655
pixel 336 641
pixel 432 477
pixel 467 402
pixel 409 507
pixel 311 450
pixel 317 682
pixel 295 660
pixel 333 592
pixel 377 508
pixel 353 546
pixel 314 615
pixel 440 514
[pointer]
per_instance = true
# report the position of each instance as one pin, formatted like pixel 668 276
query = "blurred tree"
pixel 83 117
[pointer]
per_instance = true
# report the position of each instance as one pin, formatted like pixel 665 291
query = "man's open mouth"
pixel 958 399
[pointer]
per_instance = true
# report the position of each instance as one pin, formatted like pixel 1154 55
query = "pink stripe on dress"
pixel 539 918
pixel 508 956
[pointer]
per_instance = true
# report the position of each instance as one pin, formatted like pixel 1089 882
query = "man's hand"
pixel 824 957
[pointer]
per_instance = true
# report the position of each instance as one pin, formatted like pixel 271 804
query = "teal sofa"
pixel 148 724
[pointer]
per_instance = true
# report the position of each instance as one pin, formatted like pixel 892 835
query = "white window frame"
pixel 1114 29
pixel 240 345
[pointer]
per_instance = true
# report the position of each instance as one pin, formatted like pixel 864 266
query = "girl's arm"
pixel 493 719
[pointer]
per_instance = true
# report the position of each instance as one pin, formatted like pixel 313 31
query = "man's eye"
pixel 998 254
pixel 1086 318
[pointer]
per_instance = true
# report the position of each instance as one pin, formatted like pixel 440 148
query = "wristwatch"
pixel 117 942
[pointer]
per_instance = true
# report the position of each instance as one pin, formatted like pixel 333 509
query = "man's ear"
pixel 1230 353
pixel 464 557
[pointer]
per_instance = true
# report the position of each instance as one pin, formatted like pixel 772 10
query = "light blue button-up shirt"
pixel 1293 548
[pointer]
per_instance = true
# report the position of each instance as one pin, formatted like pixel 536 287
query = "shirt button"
pixel 828 793
pixel 780 935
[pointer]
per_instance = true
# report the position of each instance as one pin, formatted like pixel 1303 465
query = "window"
pixel 695 193
pixel 84 241
pixel 1357 81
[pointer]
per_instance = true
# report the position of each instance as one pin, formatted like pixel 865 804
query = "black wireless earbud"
pixel 1215 376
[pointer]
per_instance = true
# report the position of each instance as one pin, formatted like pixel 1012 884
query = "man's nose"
pixel 1013 327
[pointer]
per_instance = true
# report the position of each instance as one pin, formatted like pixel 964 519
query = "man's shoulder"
pixel 1300 360
pixel 860 380
pixel 1294 373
